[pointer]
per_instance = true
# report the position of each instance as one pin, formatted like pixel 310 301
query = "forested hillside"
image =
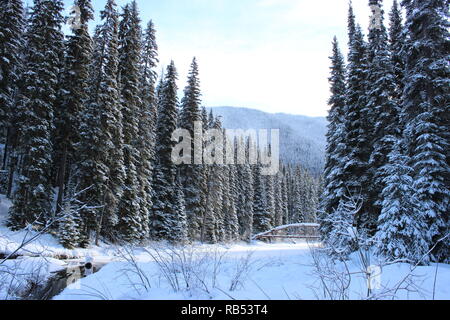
pixel 302 139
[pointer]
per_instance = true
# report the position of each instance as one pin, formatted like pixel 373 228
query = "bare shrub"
pixel 133 269
pixel 242 270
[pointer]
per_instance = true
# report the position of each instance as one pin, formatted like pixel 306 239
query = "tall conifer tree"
pixel 133 226
pixel 397 38
pixel 147 124
pixel 383 112
pixel 12 27
pixel 426 115
pixel 101 171
pixel 33 198
pixel 73 96
pixel 357 126
pixel 262 220
pixel 167 218
pixel 334 189
pixel 191 174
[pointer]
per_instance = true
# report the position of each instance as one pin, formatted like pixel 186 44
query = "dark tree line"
pixel 388 138
pixel 86 136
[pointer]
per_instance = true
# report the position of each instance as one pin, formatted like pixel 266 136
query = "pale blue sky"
pixel 270 55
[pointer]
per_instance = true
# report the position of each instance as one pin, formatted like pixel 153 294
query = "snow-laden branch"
pixel 280 228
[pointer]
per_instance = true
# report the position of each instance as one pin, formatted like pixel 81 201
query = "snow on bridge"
pixel 307 231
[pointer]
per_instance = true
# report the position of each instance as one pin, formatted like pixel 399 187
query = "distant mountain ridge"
pixel 302 138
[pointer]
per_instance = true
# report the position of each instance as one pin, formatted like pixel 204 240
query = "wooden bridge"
pixel 304 231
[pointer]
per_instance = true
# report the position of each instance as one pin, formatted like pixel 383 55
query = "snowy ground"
pixel 43 246
pixel 275 272
pixel 259 271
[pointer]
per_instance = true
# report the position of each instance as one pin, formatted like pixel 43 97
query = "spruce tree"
pixel 147 124
pixel 73 96
pixel 397 38
pixel 12 26
pixel 33 198
pixel 334 189
pixel 279 213
pixel 244 191
pixel 221 185
pixel 100 172
pixel 261 217
pixel 270 198
pixel 425 113
pixel 69 224
pixel 180 225
pixel 402 228
pixel 214 230
pixel 213 205
pixel 285 197
pixel 191 174
pixel 167 218
pixel 383 113
pixel 132 225
pixel 228 209
pixel 309 197
pixel 357 125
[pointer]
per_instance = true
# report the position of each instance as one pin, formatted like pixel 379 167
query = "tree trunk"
pixel 12 169
pixel 61 181
pixel 5 151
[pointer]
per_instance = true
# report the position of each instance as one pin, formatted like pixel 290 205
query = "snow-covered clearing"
pixel 257 271
pixel 266 271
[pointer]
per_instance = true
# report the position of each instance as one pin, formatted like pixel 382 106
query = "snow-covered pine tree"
pixel 270 198
pixel 298 194
pixel 231 223
pixel 278 195
pixel 351 24
pixel 166 216
pixel 397 38
pixel 147 124
pixel 191 175
pixel 285 198
pixel 213 225
pixel 383 113
pixel 179 224
pixel 72 97
pixel 402 228
pixel 357 125
pixel 220 187
pixel 159 87
pixel 149 78
pixel 342 240
pixel 224 206
pixel 289 188
pixel 12 26
pixel 309 197
pixel 261 217
pixel 33 198
pixel 205 177
pixel 426 114
pixel 334 184
pixel 69 224
pixel 245 196
pixel 131 226
pixel 100 170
